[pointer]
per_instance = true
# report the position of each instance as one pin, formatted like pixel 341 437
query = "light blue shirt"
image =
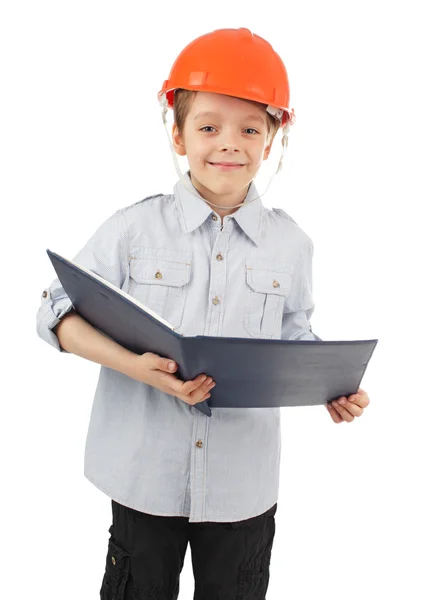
pixel 248 276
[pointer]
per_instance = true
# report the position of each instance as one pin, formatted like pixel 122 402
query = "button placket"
pixel 198 478
pixel 218 281
pixel 216 300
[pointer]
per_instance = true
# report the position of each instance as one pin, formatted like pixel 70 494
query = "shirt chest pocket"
pixel 267 287
pixel 160 279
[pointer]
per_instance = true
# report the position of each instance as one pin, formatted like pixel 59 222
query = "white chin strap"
pixel 272 110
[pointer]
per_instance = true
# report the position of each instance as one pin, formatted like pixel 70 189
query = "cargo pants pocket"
pixel 254 576
pixel 254 579
pixel 116 572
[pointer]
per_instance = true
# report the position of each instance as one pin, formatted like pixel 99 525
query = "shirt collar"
pixel 194 210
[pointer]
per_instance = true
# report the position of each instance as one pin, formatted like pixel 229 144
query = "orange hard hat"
pixel 234 62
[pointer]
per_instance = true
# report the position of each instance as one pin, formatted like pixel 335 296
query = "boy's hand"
pixel 345 409
pixel 155 370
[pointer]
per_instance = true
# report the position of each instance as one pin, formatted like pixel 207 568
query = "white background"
pixel 81 136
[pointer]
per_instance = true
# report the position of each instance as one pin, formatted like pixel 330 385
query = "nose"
pixel 229 148
pixel 229 142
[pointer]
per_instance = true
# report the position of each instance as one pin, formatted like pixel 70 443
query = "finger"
pixel 201 399
pixel 347 416
pixel 352 407
pixel 197 394
pixel 333 413
pixel 164 364
pixel 200 394
pixel 170 381
pixel 360 399
pixel 188 387
pixel 184 389
pixel 174 385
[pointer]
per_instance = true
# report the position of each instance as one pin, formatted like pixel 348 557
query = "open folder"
pixel 249 373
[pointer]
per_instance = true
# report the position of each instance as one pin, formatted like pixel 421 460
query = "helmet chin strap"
pixel 164 103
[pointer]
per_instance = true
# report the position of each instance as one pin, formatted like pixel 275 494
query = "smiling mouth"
pixel 227 165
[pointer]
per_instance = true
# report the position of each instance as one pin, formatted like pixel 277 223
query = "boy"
pixel 212 260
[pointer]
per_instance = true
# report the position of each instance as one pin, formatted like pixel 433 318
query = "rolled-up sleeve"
pixel 106 254
pixel 299 305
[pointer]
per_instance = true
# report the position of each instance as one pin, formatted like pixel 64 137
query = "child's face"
pixel 236 133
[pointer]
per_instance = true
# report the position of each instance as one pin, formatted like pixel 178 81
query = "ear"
pixel 178 144
pixel 267 151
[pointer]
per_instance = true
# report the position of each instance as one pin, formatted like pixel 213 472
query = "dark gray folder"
pixel 249 373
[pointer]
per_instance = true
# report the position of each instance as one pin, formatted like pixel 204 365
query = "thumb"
pixel 169 365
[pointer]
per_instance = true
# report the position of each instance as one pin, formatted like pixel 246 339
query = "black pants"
pixel 230 561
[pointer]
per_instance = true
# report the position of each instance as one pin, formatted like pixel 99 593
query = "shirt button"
pixel 44 294
pixel 216 300
pixel 199 444
pixel 214 218
pixel 219 256
pixel 158 275
pixel 114 562
pixel 276 283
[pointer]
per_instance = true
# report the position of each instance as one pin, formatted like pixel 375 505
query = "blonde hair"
pixel 183 100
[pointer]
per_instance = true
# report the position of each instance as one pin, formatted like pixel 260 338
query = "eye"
pixel 207 127
pixel 251 129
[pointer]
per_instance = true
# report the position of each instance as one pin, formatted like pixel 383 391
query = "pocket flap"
pixel 268 281
pixel 116 553
pixel 163 269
